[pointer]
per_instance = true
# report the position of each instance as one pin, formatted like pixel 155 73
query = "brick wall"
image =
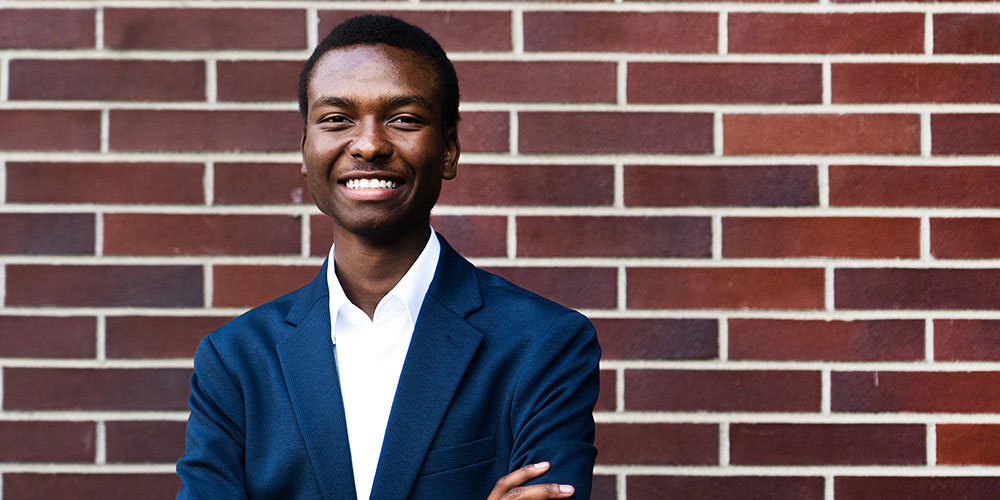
pixel 782 217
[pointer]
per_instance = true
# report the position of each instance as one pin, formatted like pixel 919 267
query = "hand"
pixel 509 487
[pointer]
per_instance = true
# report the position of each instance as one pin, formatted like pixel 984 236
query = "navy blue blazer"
pixel 495 378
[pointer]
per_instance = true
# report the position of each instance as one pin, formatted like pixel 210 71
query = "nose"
pixel 370 143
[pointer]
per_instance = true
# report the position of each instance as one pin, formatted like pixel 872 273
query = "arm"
pixel 509 487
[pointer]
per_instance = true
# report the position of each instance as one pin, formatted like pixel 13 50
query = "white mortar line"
pixel 827 75
pixel 306 236
pixel 514 130
pixel 211 81
pixel 100 443
pixel 828 493
pixel 931 444
pixel 724 444
pixel 511 236
pixel 99 28
pixel 312 27
pixel 716 237
pixel 621 85
pixel 93 468
pixel 825 392
pixel 928 33
pixel 3 303
pixel 101 338
pixel 619 390
pixel 926 144
pixel 717 134
pixel 929 340
pixel 105 130
pixel 207 284
pixel 723 339
pixel 90 416
pixel 621 487
pixel 4 78
pixel 1 383
pixel 823 184
pixel 517 31
pixel 925 239
pixel 3 182
pixel 98 234
pixel 622 288
pixel 723 33
pixel 829 288
pixel 619 186
pixel 208 182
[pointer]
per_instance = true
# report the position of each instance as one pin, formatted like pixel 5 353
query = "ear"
pixel 302 150
pixel 452 149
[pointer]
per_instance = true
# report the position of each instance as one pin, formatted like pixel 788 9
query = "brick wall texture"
pixel 783 217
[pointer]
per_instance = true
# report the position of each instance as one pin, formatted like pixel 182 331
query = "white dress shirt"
pixel 370 354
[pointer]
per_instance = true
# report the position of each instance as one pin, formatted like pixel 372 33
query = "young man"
pixel 401 371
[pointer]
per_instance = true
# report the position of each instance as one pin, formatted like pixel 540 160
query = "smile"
pixel 370 184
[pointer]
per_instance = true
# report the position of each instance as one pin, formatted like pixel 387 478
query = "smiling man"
pixel 401 371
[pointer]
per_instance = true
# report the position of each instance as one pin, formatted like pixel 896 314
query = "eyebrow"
pixel 395 102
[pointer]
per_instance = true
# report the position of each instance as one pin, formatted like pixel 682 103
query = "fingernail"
pixel 565 488
pixel 541 465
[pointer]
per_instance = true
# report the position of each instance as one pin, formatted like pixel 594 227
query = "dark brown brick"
pixel 626 338
pixel 37 234
pixel 972 238
pixel 107 80
pixel 485 132
pixel 145 130
pixel 31 486
pixel 47 337
pixel 679 32
pixel 260 184
pixel 104 286
pixel 142 441
pixel 916 488
pixel 576 287
pixel 763 185
pixel 587 236
pixel 50 130
pixel 727 487
pixel 878 185
pixel 821 134
pixel 455 30
pixel 105 183
pixel 46 28
pixel 807 444
pixel 967 33
pixel 607 399
pixel 917 288
pixel 248 286
pixel 614 132
pixel 157 336
pixel 724 288
pixel 95 389
pixel 861 237
pixel 968 444
pixel 966 340
pixel 47 441
pixel 794 340
pixel 474 235
pixel 866 33
pixel 541 81
pixel 205 29
pixel 257 80
pixel 200 234
pixel 915 392
pixel 722 390
pixel 724 83
pixel 604 488
pixel 548 185
pixel 878 83
pixel 320 234
pixel 965 134
pixel 662 444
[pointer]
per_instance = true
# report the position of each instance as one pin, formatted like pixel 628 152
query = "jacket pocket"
pixel 462 455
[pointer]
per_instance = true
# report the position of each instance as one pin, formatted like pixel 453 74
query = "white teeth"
pixel 370 184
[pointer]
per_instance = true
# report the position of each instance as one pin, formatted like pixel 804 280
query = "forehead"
pixel 373 70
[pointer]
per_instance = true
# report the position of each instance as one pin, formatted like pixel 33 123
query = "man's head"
pixel 387 30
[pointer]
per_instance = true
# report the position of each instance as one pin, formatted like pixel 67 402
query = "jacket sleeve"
pixel 213 463
pixel 552 413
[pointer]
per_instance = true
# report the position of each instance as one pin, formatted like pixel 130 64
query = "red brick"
pixel 47 441
pixel 60 234
pixel 614 132
pixel 145 130
pixel 157 336
pixel 257 80
pixel 46 28
pixel 917 288
pixel 626 338
pixel 108 80
pixel 540 81
pixel 200 234
pixel 972 238
pixel 680 32
pixel 549 185
pixel 607 399
pixel 967 33
pixel 763 185
pixel 916 488
pixel 661 444
pixel 722 390
pixel 806 444
pixel 320 235
pixel 862 237
pixel 877 185
pixel 485 132
pixel 866 33
pixel 248 286
pixel 576 287
pixel 205 29
pixel 604 488
pixel 104 286
pixel 724 83
pixel 132 183
pixel 965 134
pixel 456 31
pixel 966 340
pixel 724 288
pixel 47 337
pixel 878 83
pixel 819 134
pixel 95 389
pixel 473 235
pixel 852 341
pixel 31 486
pixel 141 441
pixel 50 130
pixel 260 184
pixel 585 236
pixel 968 444
pixel 915 392
pixel 728 487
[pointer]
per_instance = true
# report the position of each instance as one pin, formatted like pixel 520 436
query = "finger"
pixel 539 492
pixel 517 478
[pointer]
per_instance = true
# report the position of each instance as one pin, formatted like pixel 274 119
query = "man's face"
pixel 373 148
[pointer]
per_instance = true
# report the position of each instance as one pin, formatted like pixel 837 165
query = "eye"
pixel 406 121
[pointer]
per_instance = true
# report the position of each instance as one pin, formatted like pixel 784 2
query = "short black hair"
pixel 371 29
